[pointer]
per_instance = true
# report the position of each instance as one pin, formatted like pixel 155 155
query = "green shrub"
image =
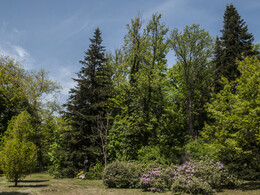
pixel 122 175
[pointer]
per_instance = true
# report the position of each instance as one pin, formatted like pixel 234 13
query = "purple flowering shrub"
pixel 188 180
pixel 152 181
pixel 204 176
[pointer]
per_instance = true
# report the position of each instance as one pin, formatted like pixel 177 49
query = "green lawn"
pixel 42 183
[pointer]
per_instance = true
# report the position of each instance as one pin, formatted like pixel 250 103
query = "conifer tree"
pixel 234 43
pixel 87 102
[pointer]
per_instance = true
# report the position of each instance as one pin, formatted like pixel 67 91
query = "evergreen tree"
pixel 86 103
pixel 235 43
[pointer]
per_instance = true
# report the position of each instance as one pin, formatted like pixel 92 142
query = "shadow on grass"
pixel 250 185
pixel 32 181
pixel 29 186
pixel 13 193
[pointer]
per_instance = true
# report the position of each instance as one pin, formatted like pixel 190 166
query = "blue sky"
pixel 53 34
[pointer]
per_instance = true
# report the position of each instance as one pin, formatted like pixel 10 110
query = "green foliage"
pixel 198 148
pixel 235 119
pixel 148 154
pixel 95 172
pixel 12 95
pixel 122 175
pixel 56 151
pixel 20 128
pixel 123 140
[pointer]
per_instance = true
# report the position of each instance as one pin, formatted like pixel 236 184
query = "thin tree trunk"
pixel 16 182
pixel 190 121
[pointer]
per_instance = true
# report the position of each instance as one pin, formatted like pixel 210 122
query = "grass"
pixel 42 183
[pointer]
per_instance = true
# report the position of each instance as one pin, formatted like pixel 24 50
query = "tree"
pixel 18 159
pixel 18 155
pixel 235 43
pixel 102 129
pixel 193 48
pixel 140 94
pixel 86 103
pixel 57 153
pixel 235 118
pixel 22 90
pixel 12 94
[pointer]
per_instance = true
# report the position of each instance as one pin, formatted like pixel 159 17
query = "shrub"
pixel 122 175
pixel 192 185
pixel 204 176
pixel 168 174
pixel 152 181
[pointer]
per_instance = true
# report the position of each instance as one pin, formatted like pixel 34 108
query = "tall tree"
pixel 86 103
pixel 141 94
pixel 193 48
pixel 22 90
pixel 234 43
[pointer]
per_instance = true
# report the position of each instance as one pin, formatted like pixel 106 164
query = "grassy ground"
pixel 44 184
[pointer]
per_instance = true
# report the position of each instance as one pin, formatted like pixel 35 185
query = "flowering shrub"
pixel 152 181
pixel 203 176
pixel 168 174
pixel 192 185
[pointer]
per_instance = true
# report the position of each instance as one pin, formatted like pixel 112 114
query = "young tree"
pixel 193 48
pixel 86 103
pixel 18 155
pixel 18 159
pixel 234 43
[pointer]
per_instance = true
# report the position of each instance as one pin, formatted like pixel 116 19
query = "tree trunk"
pixel 190 121
pixel 15 182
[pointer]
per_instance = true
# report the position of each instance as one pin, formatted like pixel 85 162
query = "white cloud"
pixel 18 53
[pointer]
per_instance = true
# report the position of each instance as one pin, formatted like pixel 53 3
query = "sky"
pixel 54 34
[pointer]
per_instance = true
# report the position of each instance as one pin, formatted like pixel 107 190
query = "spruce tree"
pixel 234 44
pixel 86 103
